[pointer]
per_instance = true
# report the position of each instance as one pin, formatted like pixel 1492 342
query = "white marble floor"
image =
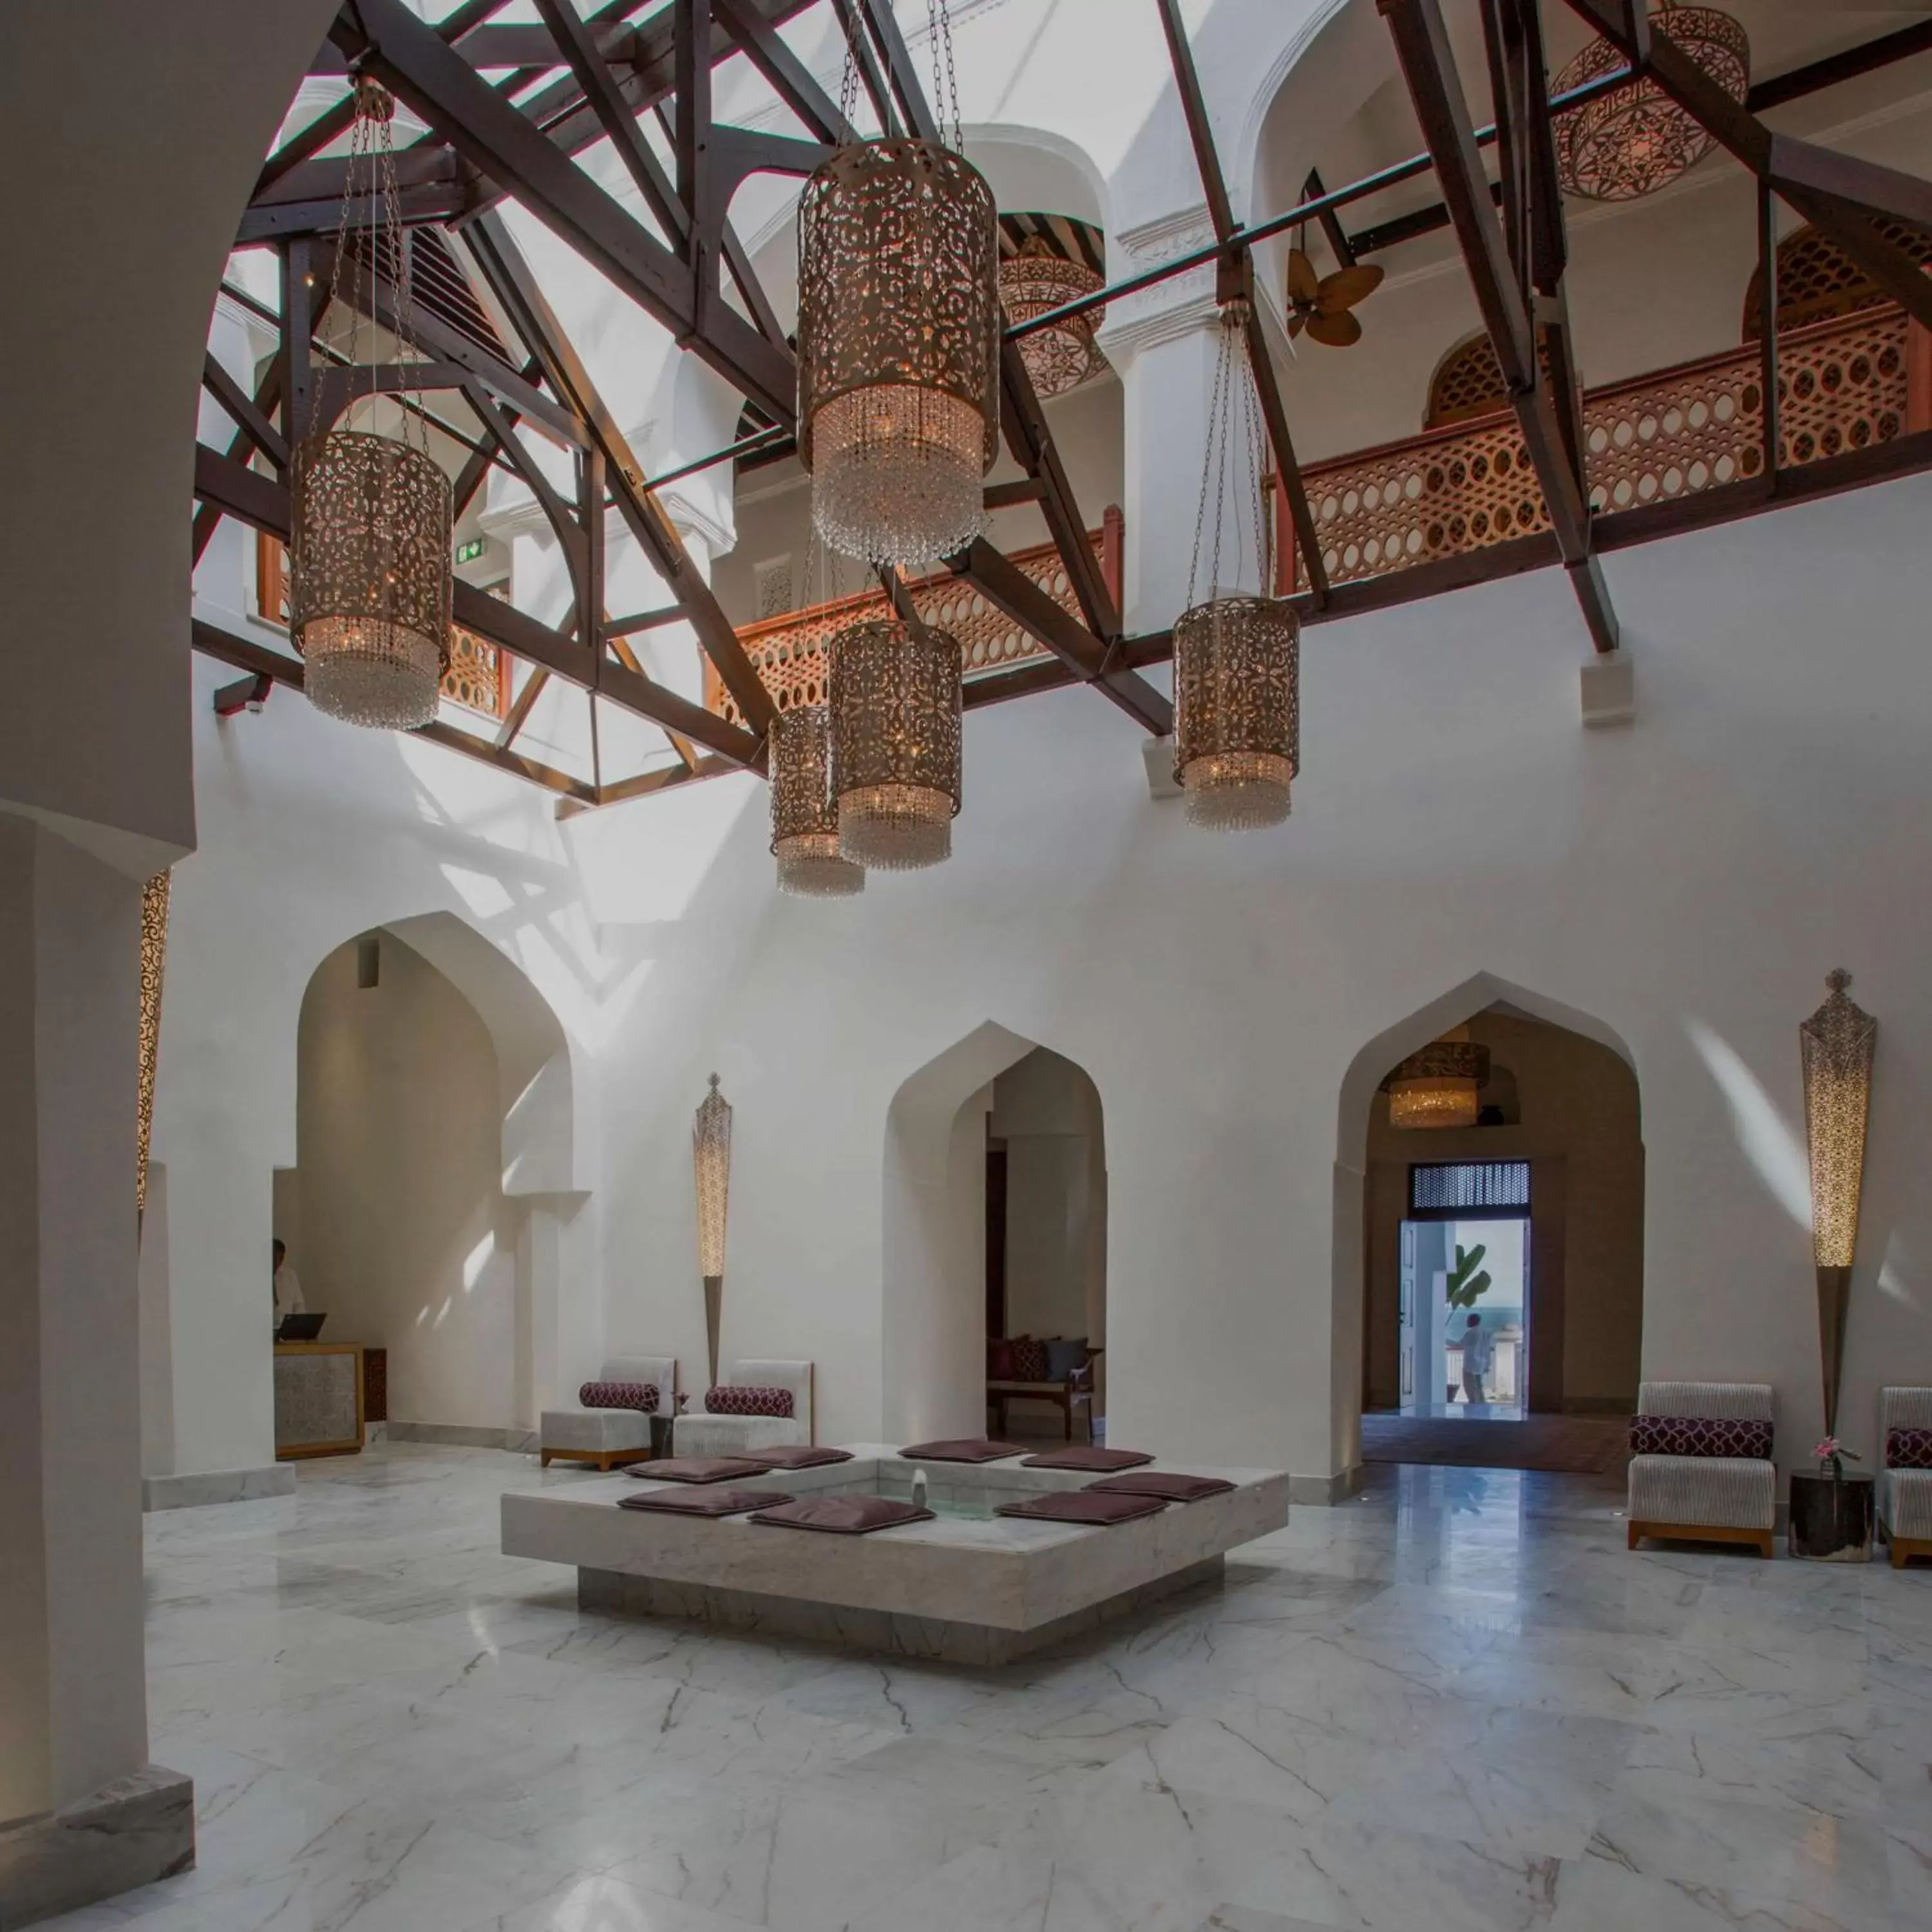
pixel 1457 1704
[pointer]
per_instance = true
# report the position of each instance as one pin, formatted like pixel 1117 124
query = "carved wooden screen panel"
pixel 789 651
pixel 1842 385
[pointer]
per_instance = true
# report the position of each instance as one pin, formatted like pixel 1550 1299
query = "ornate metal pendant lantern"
pixel 1035 281
pixel 369 552
pixel 898 340
pixel 895 743
pixel 1634 139
pixel 1836 1047
pixel 804 814
pixel 1437 1086
pixel 1236 657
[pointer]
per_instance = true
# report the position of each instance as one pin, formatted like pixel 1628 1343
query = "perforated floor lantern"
pixel 1237 656
pixel 369 549
pixel 711 1170
pixel 804 814
pixel 1836 1048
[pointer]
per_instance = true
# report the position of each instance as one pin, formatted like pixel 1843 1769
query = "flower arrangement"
pixel 1832 1457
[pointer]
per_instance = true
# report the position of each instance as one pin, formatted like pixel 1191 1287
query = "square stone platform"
pixel 968 1587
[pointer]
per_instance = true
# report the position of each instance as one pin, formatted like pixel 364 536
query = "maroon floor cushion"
pixel 1164 1484
pixel 964 1449
pixel 801 1456
pixel 702 1501
pixel 699 1469
pixel 843 1516
pixel 1088 1458
pixel 1083 1506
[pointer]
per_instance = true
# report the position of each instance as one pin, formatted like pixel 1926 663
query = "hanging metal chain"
pixel 1235 433
pixel 372 147
pixel 945 88
pixel 848 81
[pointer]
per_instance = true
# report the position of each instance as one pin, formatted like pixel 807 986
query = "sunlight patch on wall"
pixel 1770 1143
pixel 476 1261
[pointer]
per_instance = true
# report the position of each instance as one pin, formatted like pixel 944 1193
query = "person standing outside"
pixel 1477 1353
pixel 288 1292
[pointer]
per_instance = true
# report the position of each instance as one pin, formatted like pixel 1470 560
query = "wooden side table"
pixel 1831 1518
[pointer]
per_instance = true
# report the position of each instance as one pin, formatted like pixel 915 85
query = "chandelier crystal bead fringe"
pixel 1236 657
pixel 898 342
pixel 371 516
pixel 805 815
pixel 1636 140
pixel 896 744
pixel 1034 281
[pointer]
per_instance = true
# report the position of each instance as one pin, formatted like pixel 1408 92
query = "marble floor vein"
pixel 1456 1704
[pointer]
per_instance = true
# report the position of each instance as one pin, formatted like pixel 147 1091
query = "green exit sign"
pixel 468 552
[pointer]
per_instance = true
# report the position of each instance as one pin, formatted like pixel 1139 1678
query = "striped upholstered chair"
pixel 1904 1492
pixel 1707 1495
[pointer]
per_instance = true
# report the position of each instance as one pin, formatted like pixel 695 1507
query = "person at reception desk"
pixel 287 1290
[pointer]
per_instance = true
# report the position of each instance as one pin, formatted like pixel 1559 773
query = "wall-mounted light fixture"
pixel 1835 1050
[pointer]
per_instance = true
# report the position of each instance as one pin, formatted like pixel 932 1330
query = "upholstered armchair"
pixel 760 1405
pixel 1703 1470
pixel 636 1388
pixel 1905 1472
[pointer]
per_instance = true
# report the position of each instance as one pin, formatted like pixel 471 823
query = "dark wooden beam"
pixel 488 132
pixel 1848 64
pixel 1008 588
pixel 515 287
pixel 790 79
pixel 226 647
pixel 261 501
pixel 1422 46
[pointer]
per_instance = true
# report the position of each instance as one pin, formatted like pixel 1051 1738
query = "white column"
pixel 72 1687
pixel 1164 342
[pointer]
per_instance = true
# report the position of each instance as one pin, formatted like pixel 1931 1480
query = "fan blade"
pixel 1347 286
pixel 1304 284
pixel 1297 320
pixel 1337 330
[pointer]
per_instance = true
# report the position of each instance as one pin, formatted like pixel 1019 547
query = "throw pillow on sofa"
pixel 1698 1435
pixel 748 1400
pixel 1908 1449
pixel 643 1397
pixel 1029 1360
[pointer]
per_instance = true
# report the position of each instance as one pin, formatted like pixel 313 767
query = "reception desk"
pixel 319 1399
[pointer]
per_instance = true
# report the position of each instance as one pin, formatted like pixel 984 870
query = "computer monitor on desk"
pixel 300 1327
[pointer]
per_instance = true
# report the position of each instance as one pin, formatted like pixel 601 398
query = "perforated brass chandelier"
pixel 1437 1086
pixel 804 814
pixel 369 552
pixel 895 743
pixel 1634 139
pixel 1237 656
pixel 1031 283
pixel 898 343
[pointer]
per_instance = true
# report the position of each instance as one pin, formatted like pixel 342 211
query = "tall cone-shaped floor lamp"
pixel 1835 1049
pixel 711 1162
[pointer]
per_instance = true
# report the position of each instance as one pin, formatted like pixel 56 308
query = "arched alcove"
pixel 934 1326
pixel 1561 1119
pixel 437 1147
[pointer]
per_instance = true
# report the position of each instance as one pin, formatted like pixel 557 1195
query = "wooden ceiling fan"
pixel 1322 304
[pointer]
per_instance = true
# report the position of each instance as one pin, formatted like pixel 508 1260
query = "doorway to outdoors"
pixel 1464 1308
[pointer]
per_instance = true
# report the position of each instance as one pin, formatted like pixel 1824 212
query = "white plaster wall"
pixel 312 831
pixel 1687 880
pixel 410 1246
